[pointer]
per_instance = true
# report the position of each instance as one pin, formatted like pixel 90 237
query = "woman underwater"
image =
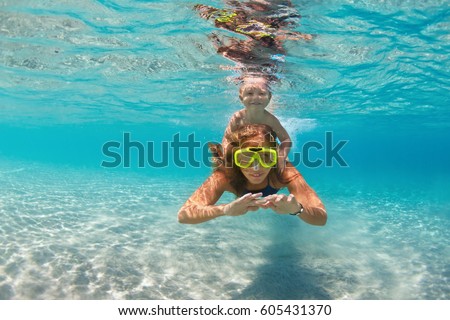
pixel 248 170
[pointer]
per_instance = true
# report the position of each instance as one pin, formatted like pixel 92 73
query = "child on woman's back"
pixel 255 95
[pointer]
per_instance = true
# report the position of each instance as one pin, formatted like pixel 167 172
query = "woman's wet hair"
pixel 258 135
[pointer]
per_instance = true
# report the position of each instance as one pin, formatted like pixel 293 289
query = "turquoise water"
pixel 75 75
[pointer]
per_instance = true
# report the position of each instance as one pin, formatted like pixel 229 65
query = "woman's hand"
pixel 240 206
pixel 280 203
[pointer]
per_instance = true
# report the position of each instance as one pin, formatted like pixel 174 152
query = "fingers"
pixel 290 198
pixel 249 201
pixel 267 205
pixel 277 201
pixel 279 198
pixel 253 200
pixel 244 197
pixel 257 195
pixel 263 203
pixel 249 197
pixel 270 198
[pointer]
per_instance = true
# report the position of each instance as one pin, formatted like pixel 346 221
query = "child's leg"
pixel 293 35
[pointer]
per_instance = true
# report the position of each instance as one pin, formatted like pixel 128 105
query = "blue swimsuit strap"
pixel 266 191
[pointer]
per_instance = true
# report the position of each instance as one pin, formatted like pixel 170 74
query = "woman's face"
pixel 255 174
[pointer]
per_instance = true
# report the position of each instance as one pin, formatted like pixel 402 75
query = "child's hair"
pixel 255 82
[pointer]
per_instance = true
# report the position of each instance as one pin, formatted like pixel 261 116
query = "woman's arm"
pixel 313 209
pixel 200 207
pixel 302 196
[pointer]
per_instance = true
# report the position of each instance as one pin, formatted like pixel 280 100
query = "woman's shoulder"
pixel 219 177
pixel 221 181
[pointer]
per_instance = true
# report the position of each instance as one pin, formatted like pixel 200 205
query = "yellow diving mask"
pixel 267 157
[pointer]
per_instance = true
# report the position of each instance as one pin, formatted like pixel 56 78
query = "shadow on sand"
pixel 283 277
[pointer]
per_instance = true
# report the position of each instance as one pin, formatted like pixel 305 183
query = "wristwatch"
pixel 298 212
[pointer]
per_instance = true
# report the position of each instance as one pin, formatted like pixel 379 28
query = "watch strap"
pixel 298 212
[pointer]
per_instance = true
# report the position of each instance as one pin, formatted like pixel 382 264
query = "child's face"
pixel 255 95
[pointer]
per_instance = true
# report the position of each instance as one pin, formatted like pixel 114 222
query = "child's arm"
pixel 285 142
pixel 283 136
pixel 233 125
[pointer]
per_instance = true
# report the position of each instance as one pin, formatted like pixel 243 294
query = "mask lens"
pixel 268 158
pixel 244 158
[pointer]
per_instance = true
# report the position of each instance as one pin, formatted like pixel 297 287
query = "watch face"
pixel 298 212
